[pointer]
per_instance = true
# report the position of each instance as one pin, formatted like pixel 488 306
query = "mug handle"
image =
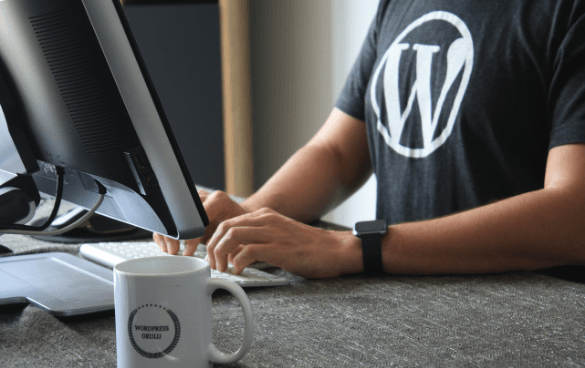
pixel 215 354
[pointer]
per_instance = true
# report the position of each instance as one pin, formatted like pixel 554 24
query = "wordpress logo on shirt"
pixel 420 82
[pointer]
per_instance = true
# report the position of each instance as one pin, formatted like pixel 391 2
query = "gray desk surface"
pixel 512 319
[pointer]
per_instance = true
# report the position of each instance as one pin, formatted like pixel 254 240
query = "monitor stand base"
pixel 95 230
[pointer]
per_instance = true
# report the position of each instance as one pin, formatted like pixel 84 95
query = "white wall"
pixel 351 20
pixel 302 51
pixel 291 77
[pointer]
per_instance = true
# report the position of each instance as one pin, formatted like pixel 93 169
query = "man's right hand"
pixel 219 207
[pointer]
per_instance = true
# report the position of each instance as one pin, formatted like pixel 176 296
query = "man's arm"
pixel 315 179
pixel 322 174
pixel 533 230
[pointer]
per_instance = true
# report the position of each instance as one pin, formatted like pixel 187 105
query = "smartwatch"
pixel 371 233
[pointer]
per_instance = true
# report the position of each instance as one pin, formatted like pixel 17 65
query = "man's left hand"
pixel 267 236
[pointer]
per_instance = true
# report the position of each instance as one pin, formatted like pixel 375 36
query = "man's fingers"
pixel 203 194
pixel 253 220
pixel 232 239
pixel 167 245
pixel 209 231
pixel 160 241
pixel 251 232
pixel 233 254
pixel 250 254
pixel 219 207
pixel 173 246
pixel 247 220
pixel 190 247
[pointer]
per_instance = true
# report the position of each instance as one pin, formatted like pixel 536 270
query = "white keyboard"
pixel 110 254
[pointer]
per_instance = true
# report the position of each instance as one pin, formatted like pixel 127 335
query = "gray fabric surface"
pixel 506 320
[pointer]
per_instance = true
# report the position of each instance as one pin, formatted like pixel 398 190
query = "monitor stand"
pixel 95 230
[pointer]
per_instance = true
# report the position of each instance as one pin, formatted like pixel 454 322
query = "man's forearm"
pixel 534 230
pixel 320 175
pixel 305 188
pixel 530 231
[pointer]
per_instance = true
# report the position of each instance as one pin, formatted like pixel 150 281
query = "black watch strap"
pixel 372 253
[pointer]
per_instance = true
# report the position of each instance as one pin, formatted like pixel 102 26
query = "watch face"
pixel 366 227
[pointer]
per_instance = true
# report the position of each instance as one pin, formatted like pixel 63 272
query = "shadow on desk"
pixel 16 310
pixel 568 273
pixel 12 308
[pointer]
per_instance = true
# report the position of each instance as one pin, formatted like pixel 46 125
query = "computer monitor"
pixel 82 100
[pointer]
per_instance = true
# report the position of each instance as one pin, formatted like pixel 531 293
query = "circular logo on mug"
pixel 154 330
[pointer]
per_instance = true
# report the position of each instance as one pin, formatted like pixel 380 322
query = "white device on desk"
pixel 110 254
pixel 59 283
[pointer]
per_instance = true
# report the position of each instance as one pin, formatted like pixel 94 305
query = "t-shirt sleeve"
pixel 567 89
pixel 352 98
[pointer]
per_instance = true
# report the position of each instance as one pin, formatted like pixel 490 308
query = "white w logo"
pixel 459 56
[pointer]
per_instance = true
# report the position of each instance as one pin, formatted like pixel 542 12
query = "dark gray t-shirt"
pixel 463 99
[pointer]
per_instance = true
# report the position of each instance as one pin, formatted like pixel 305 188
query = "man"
pixel 472 116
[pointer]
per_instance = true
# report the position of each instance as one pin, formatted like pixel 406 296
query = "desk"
pixel 511 319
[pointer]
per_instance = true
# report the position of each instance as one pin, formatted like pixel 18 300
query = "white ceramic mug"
pixel 163 313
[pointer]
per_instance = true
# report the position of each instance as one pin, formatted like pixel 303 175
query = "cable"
pixel 58 197
pixel 63 230
pixel 57 204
